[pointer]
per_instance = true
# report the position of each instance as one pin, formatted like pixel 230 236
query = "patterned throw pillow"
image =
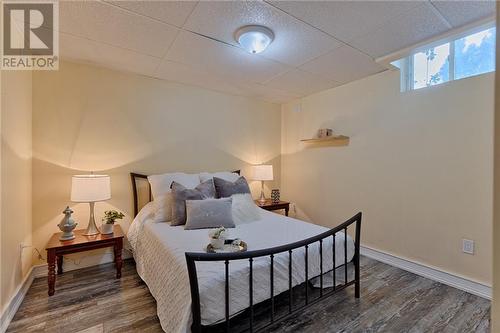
pixel 209 213
pixel 180 194
pixel 226 189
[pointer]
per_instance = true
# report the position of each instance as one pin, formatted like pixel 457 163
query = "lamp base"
pixel 262 199
pixel 92 227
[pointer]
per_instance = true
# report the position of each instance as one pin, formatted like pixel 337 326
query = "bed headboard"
pixel 142 190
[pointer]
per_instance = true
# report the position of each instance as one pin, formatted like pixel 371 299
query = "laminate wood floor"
pixel 90 300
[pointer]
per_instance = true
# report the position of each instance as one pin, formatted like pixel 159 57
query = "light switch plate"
pixel 467 246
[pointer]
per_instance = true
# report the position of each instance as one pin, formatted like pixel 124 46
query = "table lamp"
pixel 90 188
pixel 262 172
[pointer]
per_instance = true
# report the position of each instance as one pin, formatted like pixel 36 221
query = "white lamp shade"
pixel 90 188
pixel 262 172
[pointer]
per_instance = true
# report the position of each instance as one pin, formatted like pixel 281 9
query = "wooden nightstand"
pixel 56 249
pixel 270 205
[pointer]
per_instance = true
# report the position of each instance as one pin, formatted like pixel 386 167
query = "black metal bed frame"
pixel 192 258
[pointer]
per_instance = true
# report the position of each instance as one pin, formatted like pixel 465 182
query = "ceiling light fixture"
pixel 254 38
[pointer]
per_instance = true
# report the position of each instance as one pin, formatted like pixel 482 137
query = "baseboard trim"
pixel 16 301
pixel 429 272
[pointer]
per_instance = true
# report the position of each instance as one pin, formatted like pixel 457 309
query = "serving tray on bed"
pixel 229 247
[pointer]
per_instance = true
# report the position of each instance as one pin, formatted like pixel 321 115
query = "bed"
pixel 195 290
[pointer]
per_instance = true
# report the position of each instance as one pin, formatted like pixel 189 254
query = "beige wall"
pixel 87 118
pixel 16 153
pixel 495 313
pixel 419 166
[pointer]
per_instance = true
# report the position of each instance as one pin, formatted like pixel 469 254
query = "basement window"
pixel 469 55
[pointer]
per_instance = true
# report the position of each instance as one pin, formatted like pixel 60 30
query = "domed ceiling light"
pixel 254 38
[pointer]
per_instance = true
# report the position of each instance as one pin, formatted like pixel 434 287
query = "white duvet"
pixel 159 251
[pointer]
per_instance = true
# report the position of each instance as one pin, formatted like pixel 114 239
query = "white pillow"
pixel 162 211
pixel 160 184
pixel 244 209
pixel 226 175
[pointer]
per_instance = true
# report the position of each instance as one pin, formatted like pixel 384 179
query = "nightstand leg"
pixel 286 211
pixel 59 265
pixel 51 278
pixel 118 257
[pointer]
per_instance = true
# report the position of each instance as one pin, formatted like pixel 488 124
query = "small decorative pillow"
pixel 226 189
pixel 244 209
pixel 209 213
pixel 180 194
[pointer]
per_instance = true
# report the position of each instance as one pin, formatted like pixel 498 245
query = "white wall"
pixel 419 166
pixel 87 118
pixel 16 156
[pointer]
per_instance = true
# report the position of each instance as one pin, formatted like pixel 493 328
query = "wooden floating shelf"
pixel 336 140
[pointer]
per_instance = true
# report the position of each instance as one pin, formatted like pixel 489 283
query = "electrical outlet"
pixel 467 246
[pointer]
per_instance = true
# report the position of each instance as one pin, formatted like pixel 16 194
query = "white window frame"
pixel 406 64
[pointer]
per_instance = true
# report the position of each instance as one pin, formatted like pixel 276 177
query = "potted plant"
pixel 218 237
pixel 109 219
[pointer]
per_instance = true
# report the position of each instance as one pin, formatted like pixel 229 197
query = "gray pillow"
pixel 209 213
pixel 180 194
pixel 226 189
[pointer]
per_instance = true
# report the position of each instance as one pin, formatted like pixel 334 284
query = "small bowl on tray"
pixel 230 246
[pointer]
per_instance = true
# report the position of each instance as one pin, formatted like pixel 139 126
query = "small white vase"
pixel 106 228
pixel 217 243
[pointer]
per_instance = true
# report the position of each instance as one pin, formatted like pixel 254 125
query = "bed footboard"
pixel 192 258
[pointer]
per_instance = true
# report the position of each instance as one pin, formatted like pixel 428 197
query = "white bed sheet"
pixel 159 251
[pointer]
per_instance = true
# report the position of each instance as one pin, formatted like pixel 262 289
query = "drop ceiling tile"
pixel 208 55
pixel 109 24
pixel 91 52
pixel 406 30
pixel 172 12
pixel 177 72
pixel 343 65
pixel 295 42
pixel 459 13
pixel 345 20
pixel 266 93
pixel 300 82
